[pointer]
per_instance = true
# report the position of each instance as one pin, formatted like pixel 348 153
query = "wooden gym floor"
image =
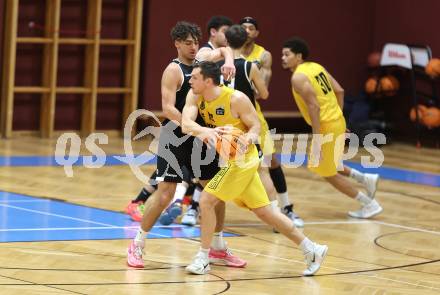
pixel 73 247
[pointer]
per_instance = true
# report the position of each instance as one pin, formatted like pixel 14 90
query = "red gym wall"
pixel 340 33
pixel 2 14
pixel 406 21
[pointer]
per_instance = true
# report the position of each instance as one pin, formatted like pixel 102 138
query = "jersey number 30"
pixel 321 78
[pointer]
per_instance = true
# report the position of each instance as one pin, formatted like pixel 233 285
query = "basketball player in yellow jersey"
pixel 238 180
pixel 320 100
pixel 263 59
pixel 216 28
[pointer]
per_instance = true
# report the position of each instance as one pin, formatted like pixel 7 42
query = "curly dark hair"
pixel 297 45
pixel 183 29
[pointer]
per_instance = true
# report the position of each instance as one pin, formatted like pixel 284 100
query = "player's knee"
pixel 332 179
pixel 207 201
pixel 264 213
pixel 166 195
pixel 165 200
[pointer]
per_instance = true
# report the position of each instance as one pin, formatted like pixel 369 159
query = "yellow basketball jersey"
pixel 218 112
pixel 256 54
pixel 328 102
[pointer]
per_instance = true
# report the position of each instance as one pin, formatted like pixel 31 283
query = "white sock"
pixel 217 241
pixel 283 198
pixel 180 191
pixel 357 175
pixel 307 245
pixel 140 236
pixel 196 195
pixel 274 205
pixel 363 199
pixel 204 252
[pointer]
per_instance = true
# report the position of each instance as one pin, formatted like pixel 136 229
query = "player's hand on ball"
pixel 210 136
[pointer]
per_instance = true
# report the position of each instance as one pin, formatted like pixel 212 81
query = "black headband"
pixel 249 20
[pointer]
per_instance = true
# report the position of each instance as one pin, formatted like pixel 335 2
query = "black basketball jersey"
pixel 242 81
pixel 183 90
pixel 185 87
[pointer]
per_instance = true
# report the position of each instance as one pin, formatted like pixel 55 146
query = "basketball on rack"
pixel 433 68
pixel 370 85
pixel 389 85
pixel 421 109
pixel 431 117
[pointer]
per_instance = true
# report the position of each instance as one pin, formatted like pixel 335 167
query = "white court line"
pixel 344 222
pixel 264 255
pixel 306 223
pixel 337 269
pixel 243 225
pixel 108 226
pixel 24 201
pixel 407 227
pixel 132 228
pixel 376 276
pixel 83 228
pixel 56 215
pixel 327 267
pixel 54 200
pixel 48 253
pixel 59 228
pixel 78 201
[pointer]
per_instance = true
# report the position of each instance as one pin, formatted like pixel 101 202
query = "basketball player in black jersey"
pixel 174 88
pixel 216 27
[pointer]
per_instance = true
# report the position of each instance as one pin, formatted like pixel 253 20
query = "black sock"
pixel 190 189
pixel 194 205
pixel 142 197
pixel 199 186
pixel 152 181
pixel 278 179
pixel 288 208
pixel 144 194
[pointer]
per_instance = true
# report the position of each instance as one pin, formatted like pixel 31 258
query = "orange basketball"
pixel 373 59
pixel 370 85
pixel 431 117
pixel 436 66
pixel 389 84
pixel 433 68
pixel 420 110
pixel 429 70
pixel 231 144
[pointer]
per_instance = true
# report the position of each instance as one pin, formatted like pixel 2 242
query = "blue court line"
pixel 39 161
pixel 390 173
pixel 398 174
pixel 26 219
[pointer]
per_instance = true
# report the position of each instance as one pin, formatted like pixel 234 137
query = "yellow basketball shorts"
pixel 266 142
pixel 240 184
pixel 333 150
